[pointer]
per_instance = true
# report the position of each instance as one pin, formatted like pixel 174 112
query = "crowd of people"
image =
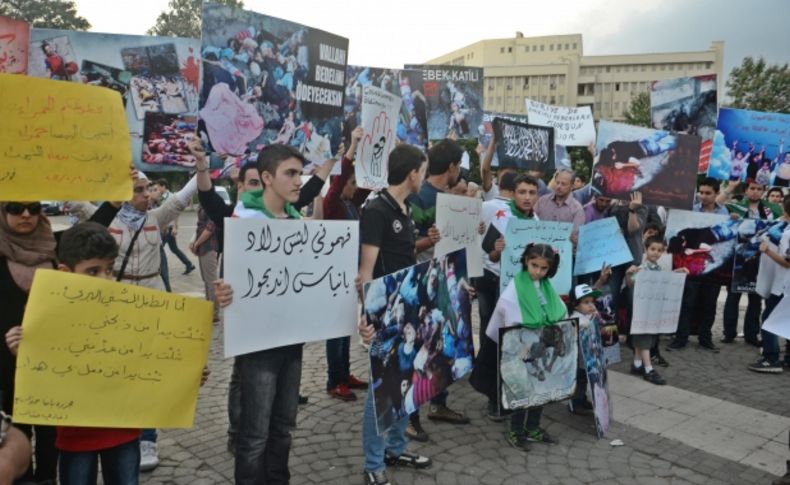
pixel 397 229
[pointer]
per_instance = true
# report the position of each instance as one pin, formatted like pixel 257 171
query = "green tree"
pixel 51 14
pixel 581 161
pixel 759 86
pixel 183 18
pixel 638 113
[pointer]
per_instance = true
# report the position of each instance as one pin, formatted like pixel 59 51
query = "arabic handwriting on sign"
pixel 266 284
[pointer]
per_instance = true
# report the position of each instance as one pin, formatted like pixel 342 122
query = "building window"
pixel 500 81
pixel 597 107
pixel 526 83
pixel 653 68
pixel 509 87
pixel 671 67
pixel 552 100
pixel 534 48
pixel 606 106
pixel 551 47
pixel 566 47
pixel 499 100
pixel 644 68
pixel 580 90
pixel 472 55
pixel 509 50
pixel 526 48
pixel 542 47
pixel 617 69
pixel 562 80
pixel 663 67
pixel 608 68
pixel 574 46
pixel 616 86
pixel 708 65
pixel 626 68
pixel 606 88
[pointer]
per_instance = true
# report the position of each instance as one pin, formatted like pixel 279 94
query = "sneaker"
pixel 303 399
pixel 408 459
pixel 540 436
pixel 653 378
pixel 764 366
pixel 149 456
pixel 493 413
pixel 342 392
pixel 376 478
pixel 415 432
pixel 189 269
pixel 709 346
pixel 443 413
pixel 637 371
pixel 517 441
pixel 676 345
pixel 354 383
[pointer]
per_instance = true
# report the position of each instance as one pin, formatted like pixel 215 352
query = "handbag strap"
pixel 129 253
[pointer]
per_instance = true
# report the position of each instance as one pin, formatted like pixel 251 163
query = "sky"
pixel 391 34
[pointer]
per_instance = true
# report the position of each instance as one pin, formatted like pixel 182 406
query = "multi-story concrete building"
pixel 554 70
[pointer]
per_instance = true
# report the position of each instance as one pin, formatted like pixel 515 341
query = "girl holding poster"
pixel 531 300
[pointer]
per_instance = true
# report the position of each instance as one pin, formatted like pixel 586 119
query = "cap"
pixel 584 290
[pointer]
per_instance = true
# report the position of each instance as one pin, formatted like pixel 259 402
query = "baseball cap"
pixel 584 290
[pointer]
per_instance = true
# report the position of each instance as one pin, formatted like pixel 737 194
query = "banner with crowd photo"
pixel 537 365
pixel 268 80
pixel 573 126
pixel 660 165
pixel 593 359
pixel 14 43
pixel 703 243
pixel 157 75
pixel 285 276
pixel 524 146
pixel 607 325
pixel 751 145
pixel 412 119
pixel 379 120
pixel 522 232
pixel 746 262
pixel 455 99
pixel 485 132
pixel 423 342
pixel 687 105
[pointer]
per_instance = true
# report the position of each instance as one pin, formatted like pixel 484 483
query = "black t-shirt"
pixel 386 226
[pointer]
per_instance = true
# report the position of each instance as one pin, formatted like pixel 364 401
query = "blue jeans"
pixel 770 340
pixel 170 240
pixel 337 361
pixel 751 321
pixel 120 465
pixel 269 401
pixel 393 442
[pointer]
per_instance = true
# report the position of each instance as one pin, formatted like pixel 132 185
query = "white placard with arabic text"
pixel 458 221
pixel 657 299
pixel 293 282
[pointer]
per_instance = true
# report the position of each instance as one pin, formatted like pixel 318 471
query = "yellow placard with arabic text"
pixel 61 140
pixel 99 353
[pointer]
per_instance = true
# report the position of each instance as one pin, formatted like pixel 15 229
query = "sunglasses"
pixel 16 208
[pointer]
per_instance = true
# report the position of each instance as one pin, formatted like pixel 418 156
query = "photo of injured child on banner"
pixel 537 365
pixel 660 165
pixel 423 342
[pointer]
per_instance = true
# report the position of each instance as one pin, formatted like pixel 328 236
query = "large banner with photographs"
pixel 751 145
pixel 573 126
pixel 746 263
pixel 455 99
pixel 268 80
pixel 485 132
pixel 686 105
pixel 14 43
pixel 537 365
pixel 524 146
pixel 703 243
pixel 158 75
pixel 593 359
pixel 423 343
pixel 662 166
pixel 412 119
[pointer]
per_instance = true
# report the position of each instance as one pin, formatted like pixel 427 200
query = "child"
pixel 583 300
pixel 530 300
pixel 89 249
pixel 654 249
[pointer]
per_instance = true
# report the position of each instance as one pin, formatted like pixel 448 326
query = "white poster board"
pixel 572 126
pixel 293 282
pixel 778 322
pixel 657 299
pixel 379 119
pixel 458 220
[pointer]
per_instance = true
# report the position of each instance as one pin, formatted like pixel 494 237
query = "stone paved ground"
pixel 327 443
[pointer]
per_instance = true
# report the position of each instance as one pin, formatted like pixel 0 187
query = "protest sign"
pixel 601 243
pixel 686 105
pixel 660 165
pixel 703 243
pixel 594 362
pixel 379 120
pixel 14 41
pixel 285 276
pixel 423 342
pixel 746 262
pixel 524 146
pixel 100 353
pixel 152 74
pixel 412 121
pixel 61 141
pixel 522 232
pixel 268 80
pixel 458 221
pixel 455 99
pixel 572 126
pixel 485 132
pixel 537 365
pixel 778 322
pixel 751 145
pixel 657 298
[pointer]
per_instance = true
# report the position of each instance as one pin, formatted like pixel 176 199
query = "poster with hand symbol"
pixel 379 119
